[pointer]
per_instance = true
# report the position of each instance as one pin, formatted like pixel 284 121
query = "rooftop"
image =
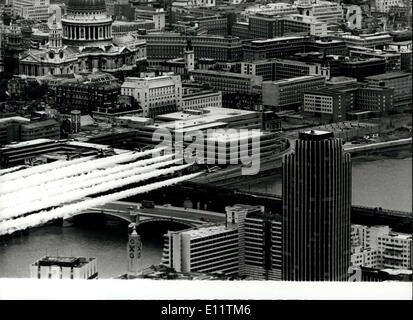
pixel 315 135
pixel 27 143
pixel 206 231
pixel 225 73
pixel 135 118
pixel 212 114
pixel 234 136
pixel 296 79
pixel 389 75
pixel 15 118
pixel 40 124
pixel 74 262
pixel 397 271
pixel 400 236
pixel 276 39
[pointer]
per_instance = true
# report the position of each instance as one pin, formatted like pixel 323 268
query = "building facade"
pixel 165 45
pixel 85 97
pixel 64 268
pixel 206 249
pixel 155 94
pixel 401 82
pixel 278 69
pixel 46 129
pixel 326 11
pixel 228 82
pixel 201 100
pixel 374 41
pixel 84 43
pixel 289 93
pixel 262 254
pixel 328 104
pixel 379 247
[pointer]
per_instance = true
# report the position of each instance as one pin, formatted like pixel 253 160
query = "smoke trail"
pixel 42 168
pixel 29 193
pixel 124 157
pixel 38 179
pixel 100 185
pixel 10 226
pixel 9 170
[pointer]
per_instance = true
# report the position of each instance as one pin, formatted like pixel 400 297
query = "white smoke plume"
pixel 10 226
pixel 87 188
pixel 41 168
pixel 51 188
pixel 9 170
pixel 71 170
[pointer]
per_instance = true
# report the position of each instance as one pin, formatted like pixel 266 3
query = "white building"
pixel 32 9
pixel 395 250
pixel 279 8
pixel 206 249
pixel 316 27
pixel 249 244
pixel 385 5
pixel 155 94
pixel 379 247
pixel 325 11
pixel 194 3
pixel 159 19
pixel 36 13
pixel 366 40
pixel 64 268
pixel 365 257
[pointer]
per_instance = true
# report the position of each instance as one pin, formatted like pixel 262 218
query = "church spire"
pixel 189 56
pixel 55 36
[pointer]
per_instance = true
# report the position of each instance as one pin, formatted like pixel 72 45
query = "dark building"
pixel 379 100
pixel 262 259
pixel 16 129
pixel 217 24
pixel 86 97
pixel 16 154
pixel 124 10
pixel 401 82
pixel 329 105
pixel 360 69
pixel 10 129
pixel 376 275
pixel 286 46
pixel 316 209
pixel 46 129
pixel 13 46
pixel 164 46
pixel 264 27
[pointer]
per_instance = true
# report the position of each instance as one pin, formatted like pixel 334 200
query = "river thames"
pixel 377 182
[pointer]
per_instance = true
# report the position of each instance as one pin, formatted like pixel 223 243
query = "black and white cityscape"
pixel 206 140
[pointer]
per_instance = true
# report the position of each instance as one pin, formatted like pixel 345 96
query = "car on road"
pixel 148 204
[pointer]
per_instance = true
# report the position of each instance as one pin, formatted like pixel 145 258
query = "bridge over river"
pixel 206 204
pixel 215 199
pixel 134 212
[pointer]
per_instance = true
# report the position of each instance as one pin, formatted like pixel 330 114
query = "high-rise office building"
pixel 316 209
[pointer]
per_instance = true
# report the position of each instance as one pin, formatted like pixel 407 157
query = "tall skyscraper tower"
pixel 316 209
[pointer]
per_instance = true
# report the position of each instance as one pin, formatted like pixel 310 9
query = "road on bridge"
pixel 169 211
